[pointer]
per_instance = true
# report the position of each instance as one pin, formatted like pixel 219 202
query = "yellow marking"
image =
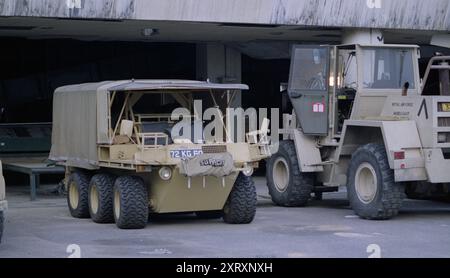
pixel 445 107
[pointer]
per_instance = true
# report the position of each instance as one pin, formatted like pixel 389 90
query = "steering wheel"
pixel 317 83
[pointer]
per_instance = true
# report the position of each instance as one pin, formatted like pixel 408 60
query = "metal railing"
pixel 153 140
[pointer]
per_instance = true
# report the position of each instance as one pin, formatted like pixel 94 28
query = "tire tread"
pixel 134 208
pixel 82 180
pixel 240 207
pixel 392 193
pixel 104 184
pixel 299 189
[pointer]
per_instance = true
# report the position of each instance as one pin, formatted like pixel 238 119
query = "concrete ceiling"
pixel 258 41
pixel 132 30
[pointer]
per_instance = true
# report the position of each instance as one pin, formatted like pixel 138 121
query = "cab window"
pixel 388 68
pixel 309 70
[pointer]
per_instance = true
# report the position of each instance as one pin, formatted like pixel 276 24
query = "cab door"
pixel 308 87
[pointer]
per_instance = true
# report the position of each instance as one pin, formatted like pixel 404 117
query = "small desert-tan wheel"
pixel 281 174
pixel 240 207
pixel 131 203
pixel 116 204
pixel 101 198
pixel 366 183
pixel 77 195
pixel 93 198
pixel 73 195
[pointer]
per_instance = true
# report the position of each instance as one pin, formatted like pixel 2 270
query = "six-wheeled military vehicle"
pixel 129 153
pixel 363 118
pixel 3 203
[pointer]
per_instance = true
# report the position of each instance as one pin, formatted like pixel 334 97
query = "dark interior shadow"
pixel 177 218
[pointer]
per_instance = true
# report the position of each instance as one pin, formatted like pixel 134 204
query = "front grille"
pixel 443 121
pixel 214 149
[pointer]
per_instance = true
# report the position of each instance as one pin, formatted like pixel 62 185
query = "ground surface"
pixel 323 229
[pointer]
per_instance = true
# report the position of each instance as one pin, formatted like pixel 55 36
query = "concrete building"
pixel 49 43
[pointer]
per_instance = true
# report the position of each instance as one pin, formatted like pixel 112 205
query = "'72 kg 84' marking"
pixel 183 154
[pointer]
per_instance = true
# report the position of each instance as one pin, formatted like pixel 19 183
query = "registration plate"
pixel 188 153
pixel 445 107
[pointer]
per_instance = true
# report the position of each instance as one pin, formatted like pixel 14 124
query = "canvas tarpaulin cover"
pixel 81 115
pixel 217 164
pixel 78 110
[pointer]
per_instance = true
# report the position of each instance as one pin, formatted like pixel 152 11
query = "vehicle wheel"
pixel 288 187
pixel 240 207
pixel 371 188
pixel 130 204
pixel 101 198
pixel 77 194
pixel 213 214
pixel 2 221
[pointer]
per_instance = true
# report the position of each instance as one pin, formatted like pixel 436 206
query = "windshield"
pixel 388 68
pixel 309 69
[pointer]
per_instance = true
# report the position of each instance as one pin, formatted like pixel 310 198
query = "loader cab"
pixel 384 71
pixel 329 85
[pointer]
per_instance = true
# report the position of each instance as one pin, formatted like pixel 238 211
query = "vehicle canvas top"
pixel 146 85
pixel 81 114
pixel 185 85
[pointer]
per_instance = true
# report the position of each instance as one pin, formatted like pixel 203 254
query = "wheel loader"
pixel 363 118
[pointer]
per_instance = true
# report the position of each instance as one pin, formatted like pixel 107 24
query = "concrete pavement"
pixel 325 228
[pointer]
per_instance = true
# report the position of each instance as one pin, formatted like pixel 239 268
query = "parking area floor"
pixel 325 228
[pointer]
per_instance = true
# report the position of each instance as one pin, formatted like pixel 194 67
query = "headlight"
pixel 248 171
pixel 165 173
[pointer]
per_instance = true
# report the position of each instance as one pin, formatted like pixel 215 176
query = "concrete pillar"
pixel 220 64
pixel 363 36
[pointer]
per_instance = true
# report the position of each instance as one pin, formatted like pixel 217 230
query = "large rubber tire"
pixel 371 187
pixel 130 203
pixel 77 194
pixel 2 223
pixel 101 198
pixel 212 214
pixel 288 187
pixel 240 207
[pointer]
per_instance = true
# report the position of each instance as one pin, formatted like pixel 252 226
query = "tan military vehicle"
pixel 124 160
pixel 3 203
pixel 363 118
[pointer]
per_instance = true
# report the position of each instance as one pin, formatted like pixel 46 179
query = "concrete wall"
pixel 219 63
pixel 390 14
pixel 101 9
